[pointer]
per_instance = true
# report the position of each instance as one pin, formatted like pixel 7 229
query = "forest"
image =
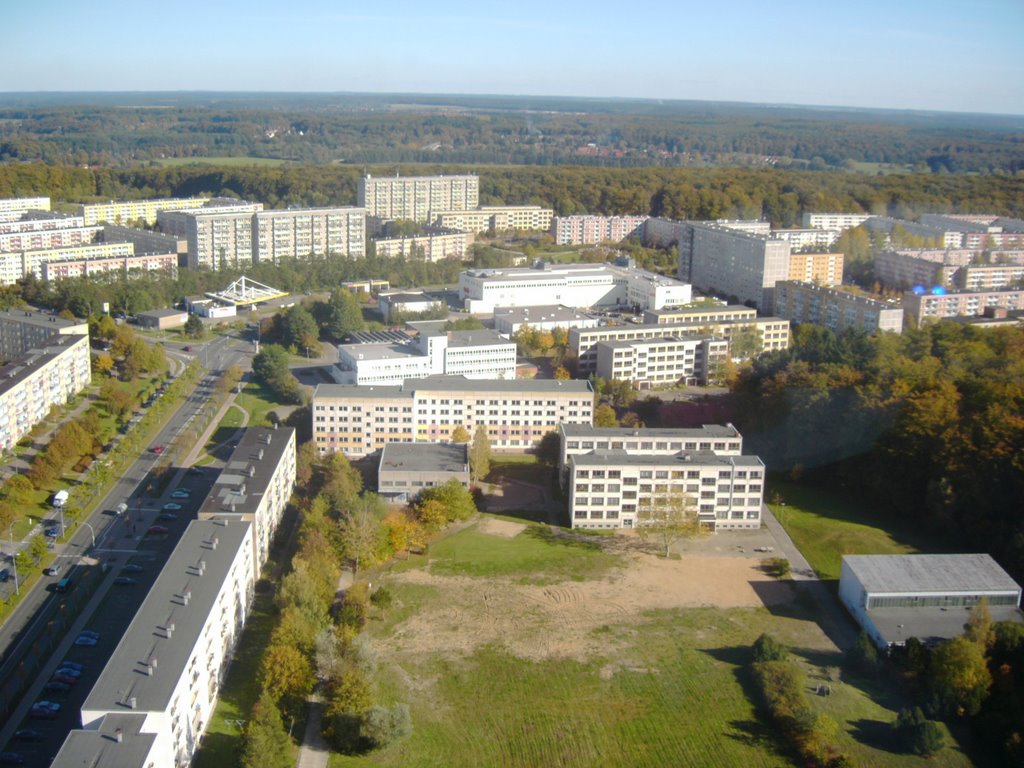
pixel 355 129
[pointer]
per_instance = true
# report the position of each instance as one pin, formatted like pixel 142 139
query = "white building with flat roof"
pixel 509 320
pixel 838 221
pixel 21 204
pixel 306 233
pixel 663 361
pixel 591 230
pixel 417 198
pixel 125 211
pixel 219 235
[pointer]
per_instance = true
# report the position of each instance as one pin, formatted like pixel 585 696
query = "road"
pixel 116 539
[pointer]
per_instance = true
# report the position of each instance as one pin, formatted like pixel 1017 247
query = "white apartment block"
pixel 416 198
pixel 44 375
pixel 17 264
pixel 981 231
pixel 750 226
pixel 926 267
pixel 19 205
pixel 57 269
pixel 574 285
pixel 938 306
pixel 24 329
pixel 590 230
pixel 773 332
pixel 838 221
pixel 834 309
pixel 255 485
pixel 33 236
pixel 218 235
pixel 170 663
pixel 39 221
pixel 124 211
pixel 509 320
pixel 665 361
pixel 435 246
pixel 309 232
pixel 516 414
pixel 987 277
pixel 799 239
pixel 495 218
pixel 479 354
pixel 722 439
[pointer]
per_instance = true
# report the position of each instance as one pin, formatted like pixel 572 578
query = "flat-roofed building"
pixel 590 230
pixel 219 235
pixel 255 485
pixel 125 211
pixel 396 305
pixel 663 361
pixel 800 239
pixel 822 268
pixel 436 245
pixel 23 329
pixel 40 238
pixel 145 240
pixel 114 741
pixel 304 233
pixel 838 221
pixel 703 313
pixel 170 663
pixel 69 266
pixel 415 198
pixel 18 264
pixel 722 439
pixel 509 320
pixel 159 319
pixel 986 277
pixel 516 413
pixel 903 269
pixel 925 307
pixel 977 231
pixel 496 218
pixel 835 309
pixel 27 222
pixel 21 204
pixel 896 597
pixel 408 469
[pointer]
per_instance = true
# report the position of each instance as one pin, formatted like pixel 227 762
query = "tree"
pixel 604 416
pixel 767 648
pixel 345 315
pixel 300 329
pixel 917 734
pixel 979 627
pixel 959 678
pixel 562 373
pixel 460 434
pixel 194 327
pixel 266 743
pixel 363 536
pixel 669 517
pixel 863 655
pixel 102 363
pixel 287 676
pixel 549 451
pixel 381 726
pixel 480 454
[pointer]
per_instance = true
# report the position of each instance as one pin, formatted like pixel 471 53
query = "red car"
pixel 158 449
pixel 157 529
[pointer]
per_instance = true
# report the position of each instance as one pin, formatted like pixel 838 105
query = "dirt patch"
pixel 504 528
pixel 540 622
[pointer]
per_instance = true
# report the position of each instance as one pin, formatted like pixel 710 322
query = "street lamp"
pixel 14 561
pixel 92 532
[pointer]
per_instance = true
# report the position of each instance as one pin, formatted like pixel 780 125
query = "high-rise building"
pixel 836 309
pixel 417 198
pixel 308 233
pixel 125 211
pixel 219 235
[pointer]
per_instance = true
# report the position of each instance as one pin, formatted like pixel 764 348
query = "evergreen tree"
pixel 266 744
pixel 480 454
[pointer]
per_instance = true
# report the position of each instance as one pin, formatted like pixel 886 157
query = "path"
pixel 314 751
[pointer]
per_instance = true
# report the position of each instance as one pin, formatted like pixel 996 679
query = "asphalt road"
pixel 117 540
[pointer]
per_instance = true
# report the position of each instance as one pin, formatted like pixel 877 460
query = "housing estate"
pixel 407 469
pixel 125 211
pixel 590 230
pixel 835 309
pixel 417 198
pixel 495 218
pixel 938 305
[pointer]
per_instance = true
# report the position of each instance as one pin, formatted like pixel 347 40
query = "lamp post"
pixel 14 561
pixel 91 531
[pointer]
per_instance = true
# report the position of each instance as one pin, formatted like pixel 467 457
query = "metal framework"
pixel 247 291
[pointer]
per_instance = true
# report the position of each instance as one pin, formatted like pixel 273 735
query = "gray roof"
pixel 124 676
pixel 408 298
pixel 690 338
pixel 100 747
pixel 26 365
pixel 706 430
pixel 162 313
pixel 477 338
pixel 379 337
pixel 454 384
pixel 546 313
pixel 930 573
pixel 702 310
pixel 35 317
pixel 932 624
pixel 425 457
pixel 240 486
pixel 617 457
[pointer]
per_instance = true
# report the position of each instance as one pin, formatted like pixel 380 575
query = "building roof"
pixel 406 297
pixel 704 310
pixel 159 313
pixel 125 675
pixel 425 457
pixel 543 313
pixel 478 338
pixel 379 337
pixel 35 317
pixel 100 746
pixel 930 573
pixel 689 338
pixel 932 624
pixel 240 486
pixel 617 457
pixel 442 383
pixel 705 430
pixel 19 369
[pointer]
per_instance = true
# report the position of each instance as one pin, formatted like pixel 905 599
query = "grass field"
pixel 258 401
pixel 170 162
pixel 669 689
pixel 233 419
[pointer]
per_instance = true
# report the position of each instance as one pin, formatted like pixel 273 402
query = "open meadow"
pixel 520 645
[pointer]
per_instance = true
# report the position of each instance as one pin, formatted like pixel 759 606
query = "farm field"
pixel 509 655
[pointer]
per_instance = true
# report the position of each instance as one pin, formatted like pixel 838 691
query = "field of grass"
pixel 258 401
pixel 671 689
pixel 233 418
pixel 825 526
pixel 170 162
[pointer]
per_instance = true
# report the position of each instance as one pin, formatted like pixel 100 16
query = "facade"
pixel 495 218
pixel 22 204
pixel 508 320
pixel 18 264
pixel 38 238
pixel 665 361
pixel 417 197
pixel 573 285
pixel 590 230
pixel 305 233
pixel 722 439
pixel 896 597
pixel 834 220
pixel 984 277
pixel 211 308
pixel 435 246
pixel 977 231
pixel 799 239
pixel 255 485
pixel 136 210
pixel 171 661
pixel 25 329
pixel 837 310
pixel 929 267
pixel 700 314
pixel 160 319
pixel 822 268
pixel 44 375
pixel 406 469
pixel 515 413
pixel 925 307
pixel 218 235
pixel 772 331
pixel 56 269
pixel 399 303
pixel 474 354
pixel 144 240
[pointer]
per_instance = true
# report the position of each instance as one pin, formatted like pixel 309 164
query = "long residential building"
pixel 516 413
pixel 304 233
pixel 838 221
pixel 481 354
pixel 961 269
pixel 21 204
pixel 978 231
pixel 144 240
pixel 610 475
pixel 31 235
pixel 924 307
pixel 590 230
pixel 799 239
pixel 24 329
pixel 573 285
pixel 417 198
pixel 835 309
pixel 495 218
pixel 70 266
pixel 663 361
pixel 219 235
pixel 125 211
pixel 18 264
pixel 436 245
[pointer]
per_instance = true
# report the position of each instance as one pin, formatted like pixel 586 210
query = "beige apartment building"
pixel 435 246
pixel 19 205
pixel 416 198
pixel 823 268
pixel 834 309
pixel 124 211
pixel 663 361
pixel 57 269
pixel 308 233
pixel 359 420
pixel 219 235
pixel 496 218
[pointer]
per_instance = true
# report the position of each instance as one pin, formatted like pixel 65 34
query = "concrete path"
pixel 314 751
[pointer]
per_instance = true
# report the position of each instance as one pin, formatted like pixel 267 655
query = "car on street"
pixel 67 663
pixel 46 709
pixel 68 671
pixel 87 639
pixel 57 686
pixel 5 574
pixel 186 349
pixel 29 734
pixel 11 758
pixel 157 449
pixel 126 581
pixel 169 516
pixel 52 533
pixel 195 471
pixel 171 507
pixel 180 493
pixel 90 633
pixel 157 529
pixel 132 568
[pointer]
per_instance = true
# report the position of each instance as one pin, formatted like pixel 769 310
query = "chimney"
pixel 261 457
pixel 169 630
pixel 213 544
pixel 187 596
pixel 118 735
pixel 202 564
pixel 133 702
pixel 152 663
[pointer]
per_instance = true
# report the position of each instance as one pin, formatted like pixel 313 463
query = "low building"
pixel 835 309
pixel 129 265
pixel 508 320
pixel 125 211
pixel 896 597
pixel 515 413
pixel 435 245
pixel 591 230
pixel 939 305
pixel 663 361
pixel 834 220
pixel 210 308
pixel 370 286
pixel 407 469
pixel 160 319
pixel 394 306
pixel 700 314
pixel 496 218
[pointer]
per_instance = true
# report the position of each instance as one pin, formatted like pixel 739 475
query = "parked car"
pixel 90 633
pixel 67 672
pixel 57 686
pixel 180 493
pixel 45 709
pixel 29 734
pixel 171 506
pixel 87 640
pixel 157 529
pixel 67 663
pixel 53 570
pixel 11 758
pixel 57 676
pixel 195 471
pixel 169 516
pixel 5 574
pixel 186 348
pixel 132 568
pixel 157 449
pixel 52 533
pixel 126 581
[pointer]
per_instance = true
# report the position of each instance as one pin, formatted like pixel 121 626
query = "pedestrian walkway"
pixel 314 750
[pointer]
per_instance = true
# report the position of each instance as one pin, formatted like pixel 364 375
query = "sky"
pixel 952 55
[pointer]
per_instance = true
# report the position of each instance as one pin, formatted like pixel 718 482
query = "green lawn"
pixel 670 689
pixel 228 161
pixel 825 526
pixel 233 418
pixel 258 400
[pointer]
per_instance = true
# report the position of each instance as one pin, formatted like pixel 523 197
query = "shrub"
pixel 381 726
pixel 778 567
pixel 863 656
pixel 917 734
pixel 767 648
pixel 382 598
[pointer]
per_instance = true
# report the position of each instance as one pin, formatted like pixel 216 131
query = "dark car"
pixel 157 530
pixel 186 349
pixel 132 568
pixel 5 574
pixel 72 665
pixel 29 734
pixel 169 516
pixel 70 672
pixel 11 758
pixel 126 581
pixel 45 709
pixel 56 686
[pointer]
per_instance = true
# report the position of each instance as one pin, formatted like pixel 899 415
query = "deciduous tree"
pixel 668 518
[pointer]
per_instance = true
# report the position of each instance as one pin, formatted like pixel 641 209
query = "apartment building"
pixel 25 329
pixel 799 239
pixel 125 211
pixel 255 485
pixel 509 320
pixel 838 221
pixel 822 268
pixel 44 375
pixel 18 264
pixel 408 469
pixel 19 205
pixel 416 198
pixel 977 231
pixel 57 269
pixel 219 235
pixel 516 413
pixel 837 310
pixel 145 240
pixel 481 354
pixel 171 661
pixel 305 233
pixel 722 439
pixel 987 277
pixel 495 218
pixel 905 268
pixel 36 234
pixel 772 331
pixel 925 307
pixel 664 361
pixel 702 313
pixel 590 230
pixel 436 245
pixel 573 285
